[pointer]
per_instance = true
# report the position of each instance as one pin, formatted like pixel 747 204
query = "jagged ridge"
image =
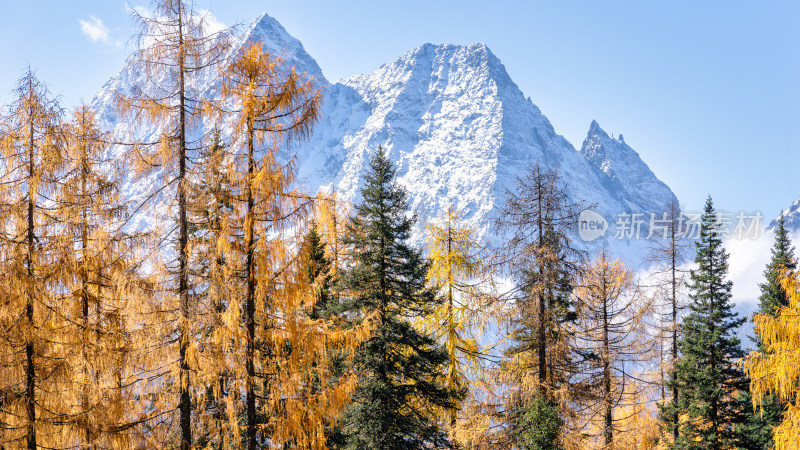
pixel 453 121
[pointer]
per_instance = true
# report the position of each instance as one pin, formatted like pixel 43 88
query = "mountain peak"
pixel 458 128
pixel 624 168
pixel 791 216
pixel 267 30
pixel 596 132
pixel 429 53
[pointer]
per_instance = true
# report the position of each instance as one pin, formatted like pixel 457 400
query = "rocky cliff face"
pixel 458 128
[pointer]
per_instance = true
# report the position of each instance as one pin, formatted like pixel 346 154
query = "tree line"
pixel 255 315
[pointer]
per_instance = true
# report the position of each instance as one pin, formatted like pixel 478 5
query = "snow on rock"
pixel 791 217
pixel 629 177
pixel 458 128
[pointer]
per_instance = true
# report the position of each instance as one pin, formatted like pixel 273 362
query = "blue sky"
pixel 707 92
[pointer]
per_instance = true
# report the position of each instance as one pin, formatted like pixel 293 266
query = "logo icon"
pixel 591 225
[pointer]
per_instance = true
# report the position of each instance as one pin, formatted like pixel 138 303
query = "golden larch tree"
pixel 775 370
pixel 100 286
pixel 175 50
pixel 273 107
pixel 31 370
pixel 612 330
pixel 460 276
pixel 215 252
pixel 284 350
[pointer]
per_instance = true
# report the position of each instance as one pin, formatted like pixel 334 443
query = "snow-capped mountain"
pixel 791 217
pixel 457 127
pixel 631 180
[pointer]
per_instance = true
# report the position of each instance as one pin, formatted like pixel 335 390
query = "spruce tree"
pixel 399 392
pixel 707 373
pixel 773 296
pixel 318 270
pixel 760 423
pixel 538 426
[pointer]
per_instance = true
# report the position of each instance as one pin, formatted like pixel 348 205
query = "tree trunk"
pixel 30 371
pixel 84 273
pixel 541 332
pixel 250 307
pixel 185 405
pixel 673 260
pixel 608 425
pixel 451 327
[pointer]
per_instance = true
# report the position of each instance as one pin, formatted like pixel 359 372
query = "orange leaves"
pixel 273 102
pixel 776 370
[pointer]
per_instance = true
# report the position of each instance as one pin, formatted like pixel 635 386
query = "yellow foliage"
pixel 776 371
pixel 460 276
pixel 611 325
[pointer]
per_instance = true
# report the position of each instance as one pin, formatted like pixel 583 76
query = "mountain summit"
pixel 455 124
pixel 631 179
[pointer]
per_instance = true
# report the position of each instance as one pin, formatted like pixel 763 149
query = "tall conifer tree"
pixel 176 50
pixel 32 163
pixel 100 284
pixel 541 357
pixel 400 391
pixel 456 271
pixel 773 295
pixel 612 326
pixel 760 423
pixel 667 256
pixel 707 372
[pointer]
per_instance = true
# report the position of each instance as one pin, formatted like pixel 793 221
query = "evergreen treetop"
pixel 394 405
pixel 707 372
pixel 773 295
pixel 760 423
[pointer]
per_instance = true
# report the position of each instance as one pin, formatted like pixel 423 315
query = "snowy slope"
pixel 456 125
pixel 791 216
pixel 628 177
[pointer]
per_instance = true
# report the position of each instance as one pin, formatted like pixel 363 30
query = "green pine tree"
pixel 318 270
pixel 707 373
pixel 759 423
pixel 772 294
pixel 538 426
pixel 394 404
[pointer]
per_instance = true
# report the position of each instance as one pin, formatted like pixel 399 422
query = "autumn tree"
pixel 273 104
pixel 102 288
pixel 331 214
pixel 774 299
pixel 32 143
pixel 175 51
pixel 707 371
pixel 399 388
pixel 773 369
pixel 214 267
pixel 457 273
pixel 612 330
pixel 538 217
pixel 667 256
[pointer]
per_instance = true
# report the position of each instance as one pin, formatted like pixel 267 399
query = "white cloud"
pixel 210 23
pixel 748 260
pixel 95 30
